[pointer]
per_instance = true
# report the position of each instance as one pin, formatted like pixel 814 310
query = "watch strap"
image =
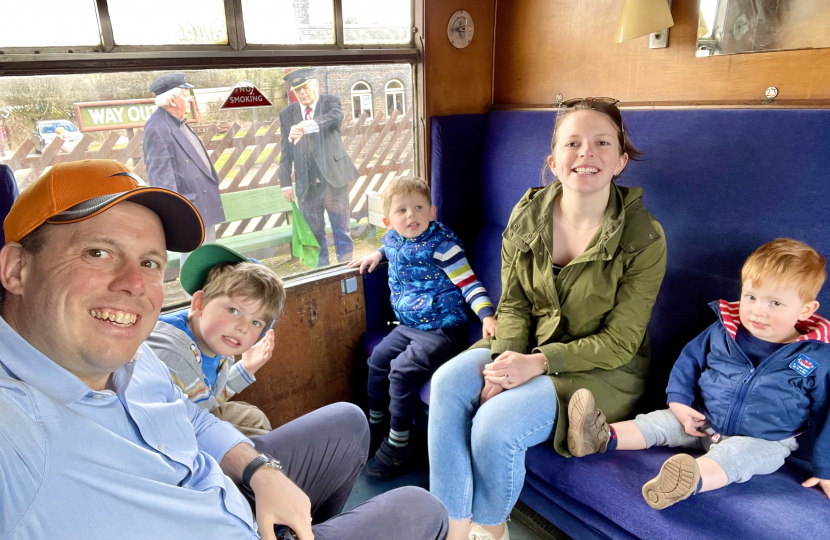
pixel 254 465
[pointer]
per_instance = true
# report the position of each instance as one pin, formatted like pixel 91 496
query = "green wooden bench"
pixel 247 204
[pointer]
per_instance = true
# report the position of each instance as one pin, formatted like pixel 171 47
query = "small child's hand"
pixel 825 484
pixel 690 418
pixel 367 263
pixel 488 326
pixel 259 354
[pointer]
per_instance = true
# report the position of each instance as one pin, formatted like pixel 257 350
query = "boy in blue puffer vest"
pixel 741 391
pixel 431 283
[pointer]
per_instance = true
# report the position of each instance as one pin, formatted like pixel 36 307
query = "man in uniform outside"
pixel 312 144
pixel 175 157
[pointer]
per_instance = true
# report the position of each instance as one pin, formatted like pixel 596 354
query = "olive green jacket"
pixel 590 320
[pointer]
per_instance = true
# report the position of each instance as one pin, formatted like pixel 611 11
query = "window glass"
pixel 288 22
pixel 70 22
pixel 377 21
pixel 394 97
pixel 244 146
pixel 362 100
pixel 162 22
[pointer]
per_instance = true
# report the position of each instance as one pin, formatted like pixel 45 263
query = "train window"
pixel 72 23
pixel 288 22
pixel 77 88
pixel 394 97
pixel 244 146
pixel 140 23
pixel 377 21
pixel 362 100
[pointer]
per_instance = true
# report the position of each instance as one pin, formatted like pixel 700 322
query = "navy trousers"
pixel 321 196
pixel 323 453
pixel 403 362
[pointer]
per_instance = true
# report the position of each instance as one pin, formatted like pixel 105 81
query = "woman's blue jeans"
pixel 477 453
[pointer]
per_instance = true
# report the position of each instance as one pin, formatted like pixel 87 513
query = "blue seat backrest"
pixel 721 182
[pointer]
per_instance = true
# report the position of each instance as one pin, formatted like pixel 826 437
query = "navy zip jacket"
pixel 774 401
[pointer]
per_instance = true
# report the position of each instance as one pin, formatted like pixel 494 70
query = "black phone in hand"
pixel 284 533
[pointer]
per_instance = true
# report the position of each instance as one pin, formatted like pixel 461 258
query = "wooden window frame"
pixel 107 57
pixel 237 53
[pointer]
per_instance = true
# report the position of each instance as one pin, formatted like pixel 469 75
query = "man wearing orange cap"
pixel 95 439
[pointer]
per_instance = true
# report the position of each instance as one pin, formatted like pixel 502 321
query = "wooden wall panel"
pixel 544 47
pixel 458 81
pixel 316 336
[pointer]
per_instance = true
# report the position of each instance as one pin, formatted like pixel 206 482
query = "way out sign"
pixel 245 95
pixel 127 113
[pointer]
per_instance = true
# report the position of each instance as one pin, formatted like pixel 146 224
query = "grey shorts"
pixel 741 457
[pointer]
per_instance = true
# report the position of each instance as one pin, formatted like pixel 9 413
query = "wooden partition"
pixel 316 337
pixel 545 47
pixel 459 81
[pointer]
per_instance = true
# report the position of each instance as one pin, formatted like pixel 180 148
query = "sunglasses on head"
pixel 611 102
pixel 602 100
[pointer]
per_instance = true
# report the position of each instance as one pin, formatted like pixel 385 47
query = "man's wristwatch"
pixel 259 461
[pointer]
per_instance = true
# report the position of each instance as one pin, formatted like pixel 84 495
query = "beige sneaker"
pixel 588 432
pixel 477 532
pixel 677 480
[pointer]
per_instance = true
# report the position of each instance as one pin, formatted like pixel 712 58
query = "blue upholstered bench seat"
pixel 721 182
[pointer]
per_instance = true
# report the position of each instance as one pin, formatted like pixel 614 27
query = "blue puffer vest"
pixel 423 296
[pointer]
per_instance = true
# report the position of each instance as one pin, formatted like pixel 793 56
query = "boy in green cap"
pixel 234 303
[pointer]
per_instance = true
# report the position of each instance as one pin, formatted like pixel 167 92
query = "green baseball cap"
pixel 194 271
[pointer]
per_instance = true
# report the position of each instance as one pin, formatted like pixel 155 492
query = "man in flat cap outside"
pixel 96 441
pixel 311 144
pixel 175 157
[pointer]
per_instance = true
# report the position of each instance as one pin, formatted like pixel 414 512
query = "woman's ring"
pixel 507 378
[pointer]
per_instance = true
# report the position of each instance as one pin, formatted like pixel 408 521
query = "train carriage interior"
pixel 730 106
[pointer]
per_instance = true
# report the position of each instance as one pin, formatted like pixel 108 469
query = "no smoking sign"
pixel 245 95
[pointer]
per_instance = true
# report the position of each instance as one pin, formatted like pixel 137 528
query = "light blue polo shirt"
pixel 135 463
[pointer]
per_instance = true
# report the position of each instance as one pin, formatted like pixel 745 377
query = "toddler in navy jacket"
pixel 741 391
pixel 431 283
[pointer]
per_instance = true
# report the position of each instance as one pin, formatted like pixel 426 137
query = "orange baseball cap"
pixel 72 192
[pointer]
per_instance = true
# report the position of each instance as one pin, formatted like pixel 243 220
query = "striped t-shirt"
pixel 450 258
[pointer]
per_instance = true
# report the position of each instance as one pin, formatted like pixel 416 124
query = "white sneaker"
pixel 477 532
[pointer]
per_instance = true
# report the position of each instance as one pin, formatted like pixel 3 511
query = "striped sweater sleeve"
pixel 449 257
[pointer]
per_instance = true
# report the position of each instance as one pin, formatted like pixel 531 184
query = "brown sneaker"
pixel 588 432
pixel 678 479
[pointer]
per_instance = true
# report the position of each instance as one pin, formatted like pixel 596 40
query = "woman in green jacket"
pixel 582 262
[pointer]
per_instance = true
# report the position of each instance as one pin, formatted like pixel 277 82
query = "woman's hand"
pixel 690 418
pixel 512 369
pixel 367 263
pixel 488 326
pixel 489 391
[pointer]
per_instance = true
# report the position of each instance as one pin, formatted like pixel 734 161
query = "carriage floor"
pixel 417 474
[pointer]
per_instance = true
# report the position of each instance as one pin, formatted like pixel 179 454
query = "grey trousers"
pixel 323 452
pixel 740 457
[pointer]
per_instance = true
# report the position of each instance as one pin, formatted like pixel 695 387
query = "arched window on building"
pixel 394 97
pixel 362 100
